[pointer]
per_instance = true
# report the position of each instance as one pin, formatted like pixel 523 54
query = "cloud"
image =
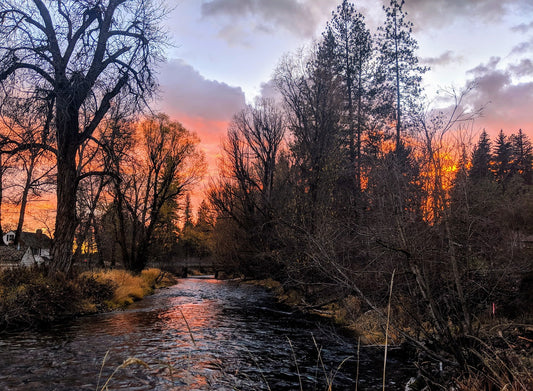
pixel 299 17
pixel 269 91
pixel 523 47
pixel 523 68
pixel 483 69
pixel 439 13
pixel 522 28
pixel 201 105
pixel 445 58
pixel 185 92
pixel 507 103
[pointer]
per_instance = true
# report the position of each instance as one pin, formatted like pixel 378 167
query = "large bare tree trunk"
pixel 66 219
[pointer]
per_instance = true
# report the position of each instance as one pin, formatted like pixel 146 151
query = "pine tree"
pixel 502 159
pixel 352 52
pixel 481 159
pixel 399 71
pixel 522 156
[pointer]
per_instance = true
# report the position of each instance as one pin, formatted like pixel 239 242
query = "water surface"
pixel 202 334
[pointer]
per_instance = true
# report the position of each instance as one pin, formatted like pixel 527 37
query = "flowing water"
pixel 201 334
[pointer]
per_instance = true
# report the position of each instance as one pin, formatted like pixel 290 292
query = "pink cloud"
pixel 203 106
pixel 507 103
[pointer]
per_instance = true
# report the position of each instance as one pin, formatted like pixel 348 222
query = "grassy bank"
pixel 500 354
pixel 128 287
pixel 29 298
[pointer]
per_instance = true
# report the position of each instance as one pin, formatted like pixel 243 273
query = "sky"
pixel 223 54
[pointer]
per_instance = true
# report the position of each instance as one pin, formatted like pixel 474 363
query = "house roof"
pixel 35 240
pixel 10 254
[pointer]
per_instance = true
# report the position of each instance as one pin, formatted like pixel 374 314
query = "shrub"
pixel 97 291
pixel 30 298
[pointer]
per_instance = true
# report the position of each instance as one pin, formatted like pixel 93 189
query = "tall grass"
pixel 128 287
pixel 387 328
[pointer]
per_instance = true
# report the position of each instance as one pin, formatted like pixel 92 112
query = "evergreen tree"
pixel 481 159
pixel 522 156
pixel 313 97
pixel 352 51
pixel 399 71
pixel 502 159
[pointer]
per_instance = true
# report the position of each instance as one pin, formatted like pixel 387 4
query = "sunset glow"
pixel 485 42
pixel 461 43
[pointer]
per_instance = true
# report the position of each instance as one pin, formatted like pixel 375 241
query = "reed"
pixel 126 363
pixel 387 329
pixel 296 363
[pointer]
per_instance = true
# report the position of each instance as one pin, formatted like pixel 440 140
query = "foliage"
pixel 30 298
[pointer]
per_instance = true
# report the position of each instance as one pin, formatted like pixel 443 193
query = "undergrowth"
pixel 30 297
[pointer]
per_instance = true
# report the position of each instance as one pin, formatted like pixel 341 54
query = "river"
pixel 201 334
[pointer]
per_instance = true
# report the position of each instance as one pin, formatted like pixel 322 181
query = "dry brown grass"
pixel 129 287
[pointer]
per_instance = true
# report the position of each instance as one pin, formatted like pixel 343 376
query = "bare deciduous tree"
pixel 77 57
pixel 166 164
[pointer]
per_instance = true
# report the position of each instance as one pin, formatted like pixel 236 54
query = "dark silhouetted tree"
pixel 522 156
pixel 481 159
pixel 502 159
pixel 399 70
pixel 353 54
pixel 148 186
pixel 77 57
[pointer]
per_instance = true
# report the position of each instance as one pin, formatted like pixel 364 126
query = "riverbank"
pixel 29 298
pixel 345 312
pixel 501 350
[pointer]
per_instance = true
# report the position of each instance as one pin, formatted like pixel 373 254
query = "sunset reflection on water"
pixel 202 334
pixel 188 326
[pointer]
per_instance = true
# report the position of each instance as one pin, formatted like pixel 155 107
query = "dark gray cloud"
pixel 300 17
pixel 507 103
pixel 445 58
pixel 186 93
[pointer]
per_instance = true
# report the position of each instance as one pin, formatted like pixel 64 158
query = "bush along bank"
pixel 30 298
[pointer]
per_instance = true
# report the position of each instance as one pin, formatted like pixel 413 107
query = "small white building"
pixel 10 257
pixel 33 248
